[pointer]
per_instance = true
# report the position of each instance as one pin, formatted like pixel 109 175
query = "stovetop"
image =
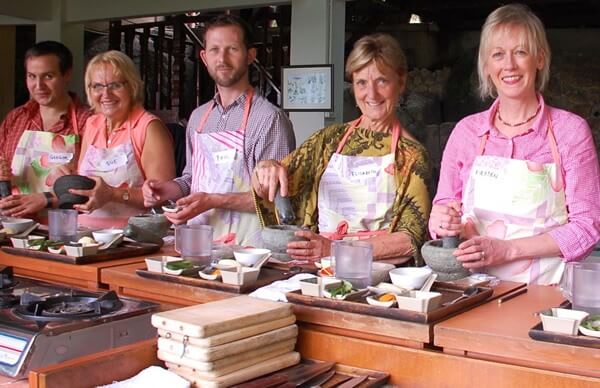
pixel 36 306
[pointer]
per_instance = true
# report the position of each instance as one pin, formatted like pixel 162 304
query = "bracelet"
pixel 49 198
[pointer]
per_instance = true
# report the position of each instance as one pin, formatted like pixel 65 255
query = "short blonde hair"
pixel 536 42
pixel 378 48
pixel 123 67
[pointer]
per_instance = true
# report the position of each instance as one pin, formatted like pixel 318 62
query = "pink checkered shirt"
pixel 581 172
pixel 269 133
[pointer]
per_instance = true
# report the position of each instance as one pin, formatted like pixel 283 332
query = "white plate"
pixel 375 302
pixel 591 333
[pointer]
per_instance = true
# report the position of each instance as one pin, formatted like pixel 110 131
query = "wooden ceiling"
pixel 467 14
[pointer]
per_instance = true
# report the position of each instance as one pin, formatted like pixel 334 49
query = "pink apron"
pixel 41 157
pixel 118 167
pixel 509 199
pixel 219 167
pixel 356 193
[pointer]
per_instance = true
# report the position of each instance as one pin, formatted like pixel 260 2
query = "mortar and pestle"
pixel 276 237
pixel 438 256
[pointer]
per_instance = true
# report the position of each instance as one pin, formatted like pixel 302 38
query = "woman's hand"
pixel 316 247
pixel 191 206
pixel 445 219
pixel 100 195
pixel 481 251
pixel 267 177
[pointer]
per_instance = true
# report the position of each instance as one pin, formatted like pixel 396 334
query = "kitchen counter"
pixel 500 333
pixel 79 275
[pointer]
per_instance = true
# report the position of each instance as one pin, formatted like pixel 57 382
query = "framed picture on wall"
pixel 307 88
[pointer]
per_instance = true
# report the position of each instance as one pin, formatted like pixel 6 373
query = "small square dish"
pixel 154 263
pixel 562 320
pixel 24 242
pixel 419 301
pixel 340 290
pixel 239 276
pixel 314 286
pixel 81 250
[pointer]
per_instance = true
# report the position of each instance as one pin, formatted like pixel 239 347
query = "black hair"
pixel 50 47
pixel 230 20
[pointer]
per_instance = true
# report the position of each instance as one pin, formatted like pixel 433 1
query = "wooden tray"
pixel 343 373
pixel 537 333
pixel 266 276
pixel 449 292
pixel 125 249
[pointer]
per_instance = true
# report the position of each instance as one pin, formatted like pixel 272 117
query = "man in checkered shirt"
pixel 225 138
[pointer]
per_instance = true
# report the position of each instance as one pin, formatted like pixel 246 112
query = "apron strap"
pixel 243 124
pixel 555 153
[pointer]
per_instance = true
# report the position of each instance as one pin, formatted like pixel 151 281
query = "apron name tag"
pixel 222 157
pixel 60 157
pixel 363 173
pixel 112 163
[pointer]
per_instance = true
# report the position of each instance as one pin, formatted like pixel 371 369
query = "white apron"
pixel 509 199
pixel 356 193
pixel 118 168
pixel 219 167
pixel 41 157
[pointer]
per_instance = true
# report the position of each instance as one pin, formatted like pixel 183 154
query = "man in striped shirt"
pixel 225 138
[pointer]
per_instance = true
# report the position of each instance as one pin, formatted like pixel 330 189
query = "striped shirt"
pixel 269 133
pixel 28 117
pixel 581 172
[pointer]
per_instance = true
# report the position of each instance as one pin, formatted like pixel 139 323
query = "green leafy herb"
pixel 341 290
pixel 592 323
pixel 179 264
pixel 44 244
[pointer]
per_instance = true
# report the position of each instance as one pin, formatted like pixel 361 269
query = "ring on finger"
pixel 441 225
pixel 482 256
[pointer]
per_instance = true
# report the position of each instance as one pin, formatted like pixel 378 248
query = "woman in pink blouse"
pixel 519 181
pixel 123 144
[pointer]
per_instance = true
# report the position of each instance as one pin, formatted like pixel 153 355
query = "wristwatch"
pixel 125 195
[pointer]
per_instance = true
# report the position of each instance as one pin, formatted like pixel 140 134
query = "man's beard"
pixel 231 79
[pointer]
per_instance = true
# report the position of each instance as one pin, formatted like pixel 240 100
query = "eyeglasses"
pixel 113 87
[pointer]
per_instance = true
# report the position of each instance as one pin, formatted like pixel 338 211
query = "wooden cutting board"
pixel 231 336
pixel 229 364
pixel 225 315
pixel 259 369
pixel 221 351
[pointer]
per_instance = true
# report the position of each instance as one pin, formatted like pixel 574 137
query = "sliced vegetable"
pixel 386 297
pixel 341 290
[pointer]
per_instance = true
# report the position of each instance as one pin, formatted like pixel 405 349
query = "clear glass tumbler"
pixel 353 262
pixel 62 225
pixel 194 243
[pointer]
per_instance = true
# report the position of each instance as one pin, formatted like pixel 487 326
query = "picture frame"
pixel 307 88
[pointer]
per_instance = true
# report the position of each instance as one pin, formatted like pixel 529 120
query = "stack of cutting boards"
pixel 222 343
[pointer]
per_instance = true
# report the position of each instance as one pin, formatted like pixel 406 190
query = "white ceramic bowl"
pixel 250 256
pixel 420 301
pixel 154 264
pixel 246 275
pixel 562 320
pixel 17 225
pixel 24 242
pixel 374 301
pixel 105 235
pixel 410 277
pixel 85 250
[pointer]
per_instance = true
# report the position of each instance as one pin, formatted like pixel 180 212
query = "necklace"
pixel 522 122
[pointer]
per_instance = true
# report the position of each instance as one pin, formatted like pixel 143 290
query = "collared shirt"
pixel 269 133
pixel 28 117
pixel 579 160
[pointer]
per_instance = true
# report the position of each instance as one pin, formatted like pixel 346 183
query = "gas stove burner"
pixel 67 306
pixel 7 280
pixel 8 300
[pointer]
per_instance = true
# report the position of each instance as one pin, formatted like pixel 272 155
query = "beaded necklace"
pixel 522 122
